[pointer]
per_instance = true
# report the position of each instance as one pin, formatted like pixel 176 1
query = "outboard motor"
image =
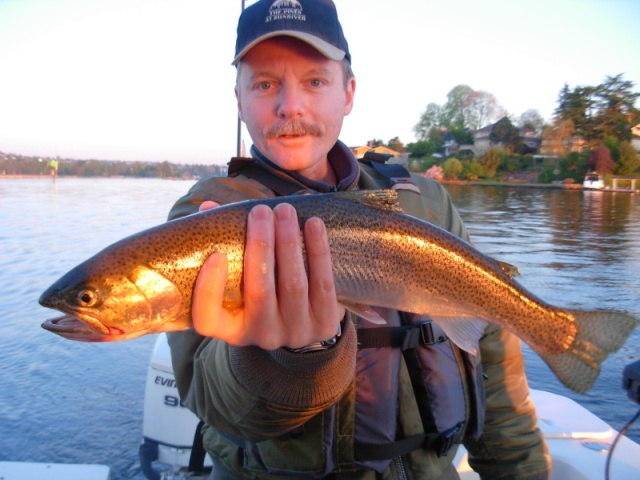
pixel 169 429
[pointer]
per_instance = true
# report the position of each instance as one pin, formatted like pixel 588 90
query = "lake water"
pixel 63 401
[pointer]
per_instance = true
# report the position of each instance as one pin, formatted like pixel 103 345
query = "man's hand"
pixel 282 306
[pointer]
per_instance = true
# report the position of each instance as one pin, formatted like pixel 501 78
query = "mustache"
pixel 294 127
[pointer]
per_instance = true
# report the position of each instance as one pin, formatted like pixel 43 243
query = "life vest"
pixel 361 430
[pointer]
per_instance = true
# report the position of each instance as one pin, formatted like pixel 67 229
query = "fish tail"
pixel 599 334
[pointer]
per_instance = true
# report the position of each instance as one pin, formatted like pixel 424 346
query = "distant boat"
pixel 593 181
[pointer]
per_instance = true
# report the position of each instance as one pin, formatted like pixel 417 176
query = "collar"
pixel 340 158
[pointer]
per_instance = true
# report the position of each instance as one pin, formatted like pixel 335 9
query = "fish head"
pixel 104 306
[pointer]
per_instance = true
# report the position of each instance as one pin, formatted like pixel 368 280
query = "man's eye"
pixel 316 82
pixel 264 85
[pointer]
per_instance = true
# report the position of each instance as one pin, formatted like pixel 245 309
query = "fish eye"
pixel 86 298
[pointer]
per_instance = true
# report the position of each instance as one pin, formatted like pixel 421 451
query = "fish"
pixel 382 257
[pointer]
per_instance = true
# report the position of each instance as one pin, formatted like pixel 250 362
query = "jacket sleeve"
pixel 246 391
pixel 511 445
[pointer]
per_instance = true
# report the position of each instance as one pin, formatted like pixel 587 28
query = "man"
pixel 291 384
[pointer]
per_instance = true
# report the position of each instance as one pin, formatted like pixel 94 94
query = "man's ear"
pixel 239 103
pixel 350 94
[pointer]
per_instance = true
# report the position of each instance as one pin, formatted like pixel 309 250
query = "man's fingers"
pixel 293 291
pixel 207 205
pixel 261 302
pixel 209 318
pixel 322 292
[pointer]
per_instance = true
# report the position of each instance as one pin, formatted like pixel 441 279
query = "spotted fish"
pixel 382 257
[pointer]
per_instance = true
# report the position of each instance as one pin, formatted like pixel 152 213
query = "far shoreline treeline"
pixel 14 165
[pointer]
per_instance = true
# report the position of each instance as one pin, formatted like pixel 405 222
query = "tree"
pixel 454 111
pixel 600 161
pixel 421 148
pixel 629 160
pixel 490 162
pixel 616 108
pixel 431 118
pixel 472 170
pixel 481 109
pixel 531 119
pixel 396 144
pixel 506 134
pixel 436 138
pixel 464 110
pixel 598 112
pixel 462 136
pixel 452 167
pixel 578 106
pixel 556 137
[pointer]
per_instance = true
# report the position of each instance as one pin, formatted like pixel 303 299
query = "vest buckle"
pixel 428 335
pixel 448 440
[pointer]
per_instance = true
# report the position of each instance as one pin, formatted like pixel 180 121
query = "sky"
pixel 152 80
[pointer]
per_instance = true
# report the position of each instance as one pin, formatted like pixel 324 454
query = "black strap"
pixel 248 168
pixel 440 443
pixel 196 460
pixel 425 333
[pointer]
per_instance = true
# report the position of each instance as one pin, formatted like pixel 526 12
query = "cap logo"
pixel 285 10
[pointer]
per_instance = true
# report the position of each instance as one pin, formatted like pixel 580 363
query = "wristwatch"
pixel 317 346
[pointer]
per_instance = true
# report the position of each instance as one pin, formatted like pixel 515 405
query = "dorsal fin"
pixel 511 270
pixel 383 200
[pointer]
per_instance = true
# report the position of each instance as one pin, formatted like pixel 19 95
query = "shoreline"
pixel 543 186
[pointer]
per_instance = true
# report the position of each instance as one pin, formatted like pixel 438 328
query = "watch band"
pixel 317 346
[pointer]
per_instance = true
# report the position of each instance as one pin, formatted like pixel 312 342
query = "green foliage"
pixel 613 144
pixel 505 133
pixel 464 111
pixel 575 165
pixel 432 117
pixel 490 162
pixel 526 162
pixel 453 112
pixel 547 176
pixel 512 163
pixel 452 167
pixel 21 165
pixel 472 170
pixel 601 111
pixel 629 159
pixel 436 138
pixel 462 136
pixel 421 148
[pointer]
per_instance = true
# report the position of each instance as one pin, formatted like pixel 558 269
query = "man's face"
pixel 293 101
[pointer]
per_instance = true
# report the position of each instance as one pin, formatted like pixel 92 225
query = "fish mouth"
pixel 75 328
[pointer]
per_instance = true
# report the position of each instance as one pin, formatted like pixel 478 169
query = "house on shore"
pixel 635 137
pixel 482 142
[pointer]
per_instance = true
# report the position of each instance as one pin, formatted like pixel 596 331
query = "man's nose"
pixel 290 102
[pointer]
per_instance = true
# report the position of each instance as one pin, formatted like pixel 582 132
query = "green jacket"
pixel 245 392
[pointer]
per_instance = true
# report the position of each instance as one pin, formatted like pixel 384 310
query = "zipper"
pixel 400 470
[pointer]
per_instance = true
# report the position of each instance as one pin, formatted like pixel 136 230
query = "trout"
pixel 381 257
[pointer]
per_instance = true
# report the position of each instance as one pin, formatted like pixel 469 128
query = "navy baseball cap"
pixel 312 21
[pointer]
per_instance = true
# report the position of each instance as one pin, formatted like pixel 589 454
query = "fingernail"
pixel 316 226
pixel 261 212
pixel 283 212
